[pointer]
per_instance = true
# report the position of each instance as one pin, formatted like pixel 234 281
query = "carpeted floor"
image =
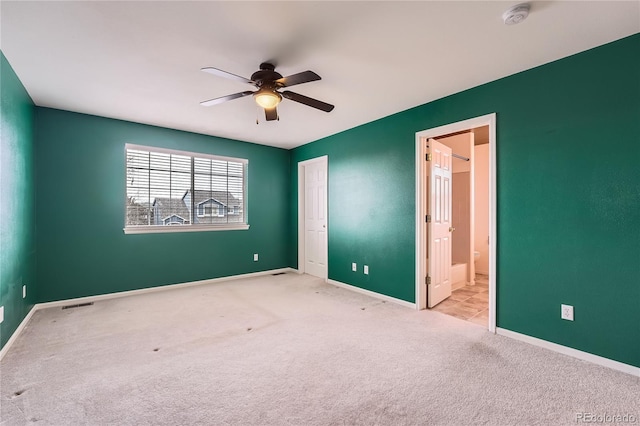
pixel 289 350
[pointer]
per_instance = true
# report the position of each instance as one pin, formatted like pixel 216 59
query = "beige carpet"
pixel 289 350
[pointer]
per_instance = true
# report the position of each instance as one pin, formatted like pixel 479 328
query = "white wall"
pixel 481 211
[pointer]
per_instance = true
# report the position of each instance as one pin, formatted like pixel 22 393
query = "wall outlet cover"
pixel 566 312
pixel 255 257
pixel 366 269
pixel 1 314
pixel 354 267
pixel 24 291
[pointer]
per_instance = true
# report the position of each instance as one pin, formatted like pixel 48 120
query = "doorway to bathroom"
pixel 456 220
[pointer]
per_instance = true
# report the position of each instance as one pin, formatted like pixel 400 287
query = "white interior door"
pixel 439 226
pixel 315 213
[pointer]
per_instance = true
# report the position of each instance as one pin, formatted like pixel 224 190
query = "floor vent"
pixel 278 273
pixel 79 305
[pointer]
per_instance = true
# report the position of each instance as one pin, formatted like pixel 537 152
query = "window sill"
pixel 182 228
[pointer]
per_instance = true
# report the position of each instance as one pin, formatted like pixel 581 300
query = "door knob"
pixel 451 229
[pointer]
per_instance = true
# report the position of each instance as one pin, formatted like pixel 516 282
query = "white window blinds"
pixel 183 190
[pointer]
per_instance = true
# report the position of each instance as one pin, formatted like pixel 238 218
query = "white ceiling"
pixel 140 61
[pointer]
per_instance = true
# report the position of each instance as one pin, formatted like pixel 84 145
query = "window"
pixel 211 207
pixel 169 191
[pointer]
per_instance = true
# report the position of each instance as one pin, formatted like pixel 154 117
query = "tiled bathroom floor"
pixel 470 303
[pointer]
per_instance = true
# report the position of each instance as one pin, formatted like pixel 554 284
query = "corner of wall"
pixel 17 198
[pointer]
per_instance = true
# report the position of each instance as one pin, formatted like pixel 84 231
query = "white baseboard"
pixel 88 299
pixel 575 353
pixel 17 332
pixel 97 298
pixel 372 294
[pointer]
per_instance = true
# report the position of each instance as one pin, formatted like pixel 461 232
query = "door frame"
pixel 421 228
pixel 301 210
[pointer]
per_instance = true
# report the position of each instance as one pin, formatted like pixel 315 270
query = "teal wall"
pixel 17 192
pixel 568 152
pixel 82 249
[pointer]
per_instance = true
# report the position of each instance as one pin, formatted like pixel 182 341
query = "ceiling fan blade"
pixel 314 103
pixel 301 77
pixel 225 98
pixel 271 113
pixel 220 73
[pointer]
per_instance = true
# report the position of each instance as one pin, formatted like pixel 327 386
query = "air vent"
pixel 79 305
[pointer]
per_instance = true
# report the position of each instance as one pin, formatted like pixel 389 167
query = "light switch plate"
pixel 354 267
pixel 366 269
pixel 1 314
pixel 255 257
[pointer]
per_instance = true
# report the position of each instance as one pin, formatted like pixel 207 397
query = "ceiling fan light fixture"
pixel 267 98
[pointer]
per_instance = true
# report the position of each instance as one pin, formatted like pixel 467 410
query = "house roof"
pixel 375 58
pixel 169 206
pixel 223 197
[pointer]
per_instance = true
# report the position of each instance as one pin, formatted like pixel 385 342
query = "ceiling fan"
pixel 268 82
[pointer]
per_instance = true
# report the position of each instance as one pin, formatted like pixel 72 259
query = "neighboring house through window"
pixel 216 204
pixel 174 219
pixel 196 191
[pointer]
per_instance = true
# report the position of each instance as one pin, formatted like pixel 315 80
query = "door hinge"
pixel 427 218
pixel 427 280
pixel 428 157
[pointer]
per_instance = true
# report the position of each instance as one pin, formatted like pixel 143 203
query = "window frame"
pixel 154 229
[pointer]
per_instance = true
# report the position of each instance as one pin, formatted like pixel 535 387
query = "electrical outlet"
pixel 354 267
pixel 366 269
pixel 566 312
pixel 24 291
pixel 1 314
pixel 255 257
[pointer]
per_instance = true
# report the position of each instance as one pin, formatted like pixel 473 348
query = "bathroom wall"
pixel 461 218
pixel 481 206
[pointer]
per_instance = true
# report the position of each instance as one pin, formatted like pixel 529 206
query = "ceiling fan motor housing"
pixel 267 76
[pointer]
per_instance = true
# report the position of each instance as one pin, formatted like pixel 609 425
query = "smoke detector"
pixel 516 14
